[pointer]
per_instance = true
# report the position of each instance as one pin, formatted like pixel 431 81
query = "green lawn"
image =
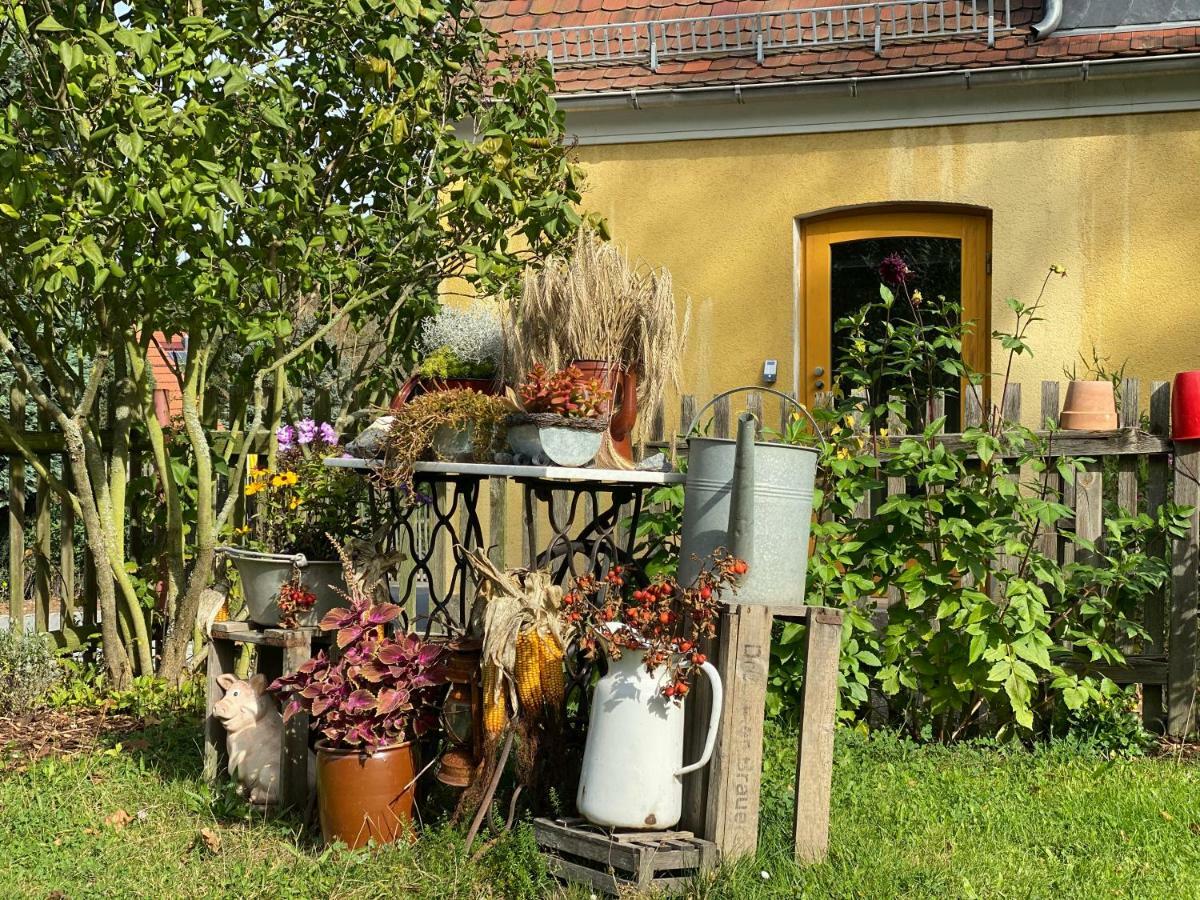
pixel 907 822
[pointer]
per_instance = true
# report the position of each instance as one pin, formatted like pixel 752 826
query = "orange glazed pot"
pixel 622 407
pixel 1089 406
pixel 362 797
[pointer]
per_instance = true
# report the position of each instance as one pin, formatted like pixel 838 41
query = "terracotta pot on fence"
pixel 622 408
pixel 362 797
pixel 1089 406
pixel 1185 407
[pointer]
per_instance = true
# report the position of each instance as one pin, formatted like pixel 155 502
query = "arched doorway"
pixel 840 251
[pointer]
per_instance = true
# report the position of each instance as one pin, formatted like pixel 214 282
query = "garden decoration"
pixel 289 573
pixel 254 730
pixel 561 420
pixel 651 635
pixel 1089 406
pixel 461 350
pixel 523 681
pixel 455 425
pixel 617 321
pixel 770 486
pixel 369 705
pixel 462 715
pixel 1185 407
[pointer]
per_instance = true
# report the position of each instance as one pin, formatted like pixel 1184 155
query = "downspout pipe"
pixel 1051 19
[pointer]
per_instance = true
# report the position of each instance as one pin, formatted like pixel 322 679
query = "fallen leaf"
pixel 143 815
pixel 136 744
pixel 1167 817
pixel 118 820
pixel 91 831
pixel 211 840
pixel 1194 827
pixel 56 895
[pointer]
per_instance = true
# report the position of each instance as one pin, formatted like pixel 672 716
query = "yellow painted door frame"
pixel 972 227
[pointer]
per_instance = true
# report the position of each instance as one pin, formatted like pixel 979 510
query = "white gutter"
pixel 643 98
pixel 1051 18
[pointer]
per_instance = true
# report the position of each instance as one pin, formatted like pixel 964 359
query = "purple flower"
pixel 306 431
pixel 286 436
pixel 894 270
pixel 328 434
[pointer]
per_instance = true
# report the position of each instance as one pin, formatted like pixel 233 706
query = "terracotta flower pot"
pixel 1089 406
pixel 1185 407
pixel 622 408
pixel 418 385
pixel 362 797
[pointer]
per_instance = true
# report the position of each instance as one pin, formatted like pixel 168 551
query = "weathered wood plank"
pixel 1127 482
pixel 720 418
pixel 754 406
pixel 1051 480
pixel 1089 506
pixel 736 768
pixel 220 662
pixel 1181 652
pixel 1154 613
pixel 1151 671
pixel 41 548
pixel 16 518
pixel 814 757
pixel 293 762
pixel 497 521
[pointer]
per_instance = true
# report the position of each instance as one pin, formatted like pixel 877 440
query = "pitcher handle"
pixel 765 390
pixel 714 718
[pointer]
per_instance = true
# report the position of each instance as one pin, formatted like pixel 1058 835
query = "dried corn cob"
pixel 528 673
pixel 495 705
pixel 550 666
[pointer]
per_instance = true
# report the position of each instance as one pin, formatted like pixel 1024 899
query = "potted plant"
pixel 368 705
pixel 616 320
pixel 460 350
pixel 562 419
pixel 633 754
pixel 456 425
pixel 1091 400
pixel 288 568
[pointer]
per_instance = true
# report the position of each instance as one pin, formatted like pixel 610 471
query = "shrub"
pixel 28 671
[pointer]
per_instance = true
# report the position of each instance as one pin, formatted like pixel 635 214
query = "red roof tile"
pixel 914 54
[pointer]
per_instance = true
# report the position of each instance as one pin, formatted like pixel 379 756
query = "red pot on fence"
pixel 418 385
pixel 1185 407
pixel 623 384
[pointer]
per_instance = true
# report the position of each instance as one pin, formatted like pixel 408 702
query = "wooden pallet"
pixel 617 861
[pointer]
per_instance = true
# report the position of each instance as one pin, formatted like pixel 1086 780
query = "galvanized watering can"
pixel 755 499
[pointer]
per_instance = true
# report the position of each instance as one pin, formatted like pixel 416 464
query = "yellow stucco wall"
pixel 1114 200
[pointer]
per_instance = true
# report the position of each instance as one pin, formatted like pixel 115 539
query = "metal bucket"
pixel 755 499
pixel 263 574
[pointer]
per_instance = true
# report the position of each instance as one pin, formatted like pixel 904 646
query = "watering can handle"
pixel 780 394
pixel 714 719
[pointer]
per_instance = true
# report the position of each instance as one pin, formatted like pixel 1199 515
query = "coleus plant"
pixel 666 621
pixel 567 392
pixel 380 691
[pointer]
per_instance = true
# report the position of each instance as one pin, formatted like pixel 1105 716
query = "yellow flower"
pixel 917 298
pixel 883 432
pixel 258 472
pixel 295 502
pixel 285 479
pixel 843 453
pixel 253 488
pixel 245 529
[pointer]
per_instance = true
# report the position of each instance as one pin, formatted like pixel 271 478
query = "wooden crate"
pixel 617 861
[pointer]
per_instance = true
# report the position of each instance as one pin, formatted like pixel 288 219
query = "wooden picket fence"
pixel 1136 468
pixel 49 571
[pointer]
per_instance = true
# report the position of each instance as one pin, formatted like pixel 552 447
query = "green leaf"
pixel 9 211
pixel 50 24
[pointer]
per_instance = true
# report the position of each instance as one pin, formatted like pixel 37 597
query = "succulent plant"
pixel 567 392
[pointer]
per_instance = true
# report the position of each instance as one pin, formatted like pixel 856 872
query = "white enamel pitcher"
pixel 633 758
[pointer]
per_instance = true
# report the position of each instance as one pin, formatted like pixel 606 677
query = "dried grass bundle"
pixel 595 304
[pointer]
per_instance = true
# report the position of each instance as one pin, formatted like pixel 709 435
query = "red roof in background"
pixel 911 55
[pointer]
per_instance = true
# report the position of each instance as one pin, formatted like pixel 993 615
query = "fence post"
pixel 1156 496
pixel 16 518
pixel 1181 654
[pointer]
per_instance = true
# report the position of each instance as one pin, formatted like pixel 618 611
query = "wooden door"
pixel 839 260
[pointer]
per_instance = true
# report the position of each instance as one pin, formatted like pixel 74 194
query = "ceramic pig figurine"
pixel 255 735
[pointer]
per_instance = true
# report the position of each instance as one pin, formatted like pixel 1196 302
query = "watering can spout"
pixel 741 501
